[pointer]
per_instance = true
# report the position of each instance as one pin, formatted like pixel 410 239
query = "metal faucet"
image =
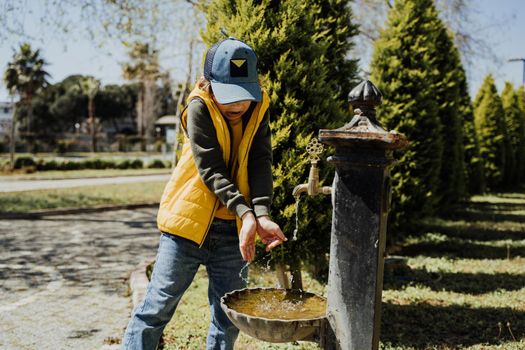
pixel 312 188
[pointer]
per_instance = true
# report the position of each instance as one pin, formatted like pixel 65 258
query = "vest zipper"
pixel 215 206
pixel 230 160
pixel 250 141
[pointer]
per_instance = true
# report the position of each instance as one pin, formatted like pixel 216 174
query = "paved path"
pixel 29 185
pixel 63 279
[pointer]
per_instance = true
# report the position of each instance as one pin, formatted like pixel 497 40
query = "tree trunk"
pixel 29 113
pixel 13 141
pixel 91 116
pixel 150 109
pixel 175 144
pixel 140 115
pixel 30 138
pixel 182 96
pixel 180 101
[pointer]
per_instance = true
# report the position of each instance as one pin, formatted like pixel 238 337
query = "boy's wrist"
pixel 261 210
pixel 242 209
pixel 248 215
pixel 264 217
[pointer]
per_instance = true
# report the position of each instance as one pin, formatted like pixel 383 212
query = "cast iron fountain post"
pixel 361 196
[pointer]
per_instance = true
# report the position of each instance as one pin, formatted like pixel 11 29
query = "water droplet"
pixel 245 279
pixel 268 263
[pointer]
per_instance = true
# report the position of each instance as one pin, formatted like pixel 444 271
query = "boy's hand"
pixel 247 236
pixel 270 233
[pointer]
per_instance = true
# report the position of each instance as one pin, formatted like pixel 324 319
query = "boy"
pixel 217 199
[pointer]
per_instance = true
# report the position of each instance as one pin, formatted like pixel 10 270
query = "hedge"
pixel 90 163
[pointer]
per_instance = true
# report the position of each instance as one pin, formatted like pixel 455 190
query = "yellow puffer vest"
pixel 187 206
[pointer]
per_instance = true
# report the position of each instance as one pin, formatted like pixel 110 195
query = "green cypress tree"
pixel 489 119
pixel 474 168
pixel 520 93
pixel 446 86
pixel 301 48
pixel 515 126
pixel 335 18
pixel 403 68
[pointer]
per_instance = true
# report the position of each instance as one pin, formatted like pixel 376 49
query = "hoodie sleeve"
pixel 260 169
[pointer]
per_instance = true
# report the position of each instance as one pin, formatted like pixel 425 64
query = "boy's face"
pixel 233 111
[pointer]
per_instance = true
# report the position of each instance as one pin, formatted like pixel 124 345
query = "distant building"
pixel 6 115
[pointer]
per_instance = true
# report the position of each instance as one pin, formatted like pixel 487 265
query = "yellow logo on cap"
pixel 238 63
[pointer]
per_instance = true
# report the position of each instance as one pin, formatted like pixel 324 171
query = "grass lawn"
pixel 464 288
pixel 82 197
pixel 79 174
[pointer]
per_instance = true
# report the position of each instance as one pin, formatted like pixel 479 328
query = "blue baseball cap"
pixel 231 67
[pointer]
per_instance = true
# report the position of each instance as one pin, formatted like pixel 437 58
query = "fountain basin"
pixel 276 315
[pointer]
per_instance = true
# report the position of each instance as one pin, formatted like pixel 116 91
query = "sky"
pixel 501 22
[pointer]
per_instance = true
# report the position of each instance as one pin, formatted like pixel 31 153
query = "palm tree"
pixel 89 87
pixel 25 76
pixel 144 68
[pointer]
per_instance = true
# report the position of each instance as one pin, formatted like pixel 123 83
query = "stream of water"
pixel 297 200
pixel 245 275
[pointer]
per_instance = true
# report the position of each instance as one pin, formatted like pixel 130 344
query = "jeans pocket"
pixel 224 239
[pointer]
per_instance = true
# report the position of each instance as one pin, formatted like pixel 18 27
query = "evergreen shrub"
pixel 24 162
pixel 302 50
pixel 515 126
pixel 94 163
pixel 520 93
pixel 404 69
pixel 123 164
pixel 157 164
pixel 489 120
pixel 136 164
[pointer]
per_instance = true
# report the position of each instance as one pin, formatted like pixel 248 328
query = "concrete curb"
pixel 138 282
pixel 38 214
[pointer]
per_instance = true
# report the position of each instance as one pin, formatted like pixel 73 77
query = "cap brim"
pixel 231 93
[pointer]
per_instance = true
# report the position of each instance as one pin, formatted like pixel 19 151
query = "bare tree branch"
pixel 458 15
pixel 165 24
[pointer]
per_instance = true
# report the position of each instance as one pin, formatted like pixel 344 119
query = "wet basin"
pixel 275 315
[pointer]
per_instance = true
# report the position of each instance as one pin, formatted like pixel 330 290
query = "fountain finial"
pixel 365 94
pixel 364 98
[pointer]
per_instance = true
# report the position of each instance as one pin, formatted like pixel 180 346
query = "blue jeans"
pixel 178 260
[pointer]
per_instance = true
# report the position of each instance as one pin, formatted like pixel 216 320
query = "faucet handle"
pixel 314 149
